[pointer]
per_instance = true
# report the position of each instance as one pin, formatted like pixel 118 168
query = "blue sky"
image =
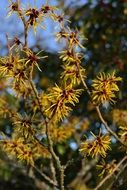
pixel 12 26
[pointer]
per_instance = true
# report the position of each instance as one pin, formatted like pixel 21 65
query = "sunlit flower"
pixel 7 63
pixel 14 7
pixel 74 39
pixel 58 100
pixel 33 58
pixel 22 90
pixel 71 74
pixel 104 88
pixel 48 10
pixel 35 18
pixel 17 148
pixel 62 34
pixel 98 146
pixel 70 56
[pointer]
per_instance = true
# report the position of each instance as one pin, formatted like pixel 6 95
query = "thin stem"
pixel 46 178
pixel 62 178
pixel 107 127
pixel 25 26
pixel 53 170
pixel 50 143
pixel 118 175
pixel 108 176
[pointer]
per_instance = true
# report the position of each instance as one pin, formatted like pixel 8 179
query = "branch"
pixel 108 176
pixel 107 127
pixel 50 143
pixel 25 25
pixel 118 175
pixel 46 178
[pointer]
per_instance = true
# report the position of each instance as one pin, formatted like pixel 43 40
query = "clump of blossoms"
pixel 105 88
pixel 106 168
pixel 98 146
pixel 42 119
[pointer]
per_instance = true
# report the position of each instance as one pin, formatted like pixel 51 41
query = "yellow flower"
pixel 26 154
pixel 62 34
pixel 23 126
pixel 7 64
pixel 71 74
pixel 123 133
pixel 40 151
pixel 33 58
pixel 95 147
pixel 74 39
pixel 14 7
pixel 35 18
pixel 22 90
pixel 106 168
pixel 4 107
pixel 70 56
pixel 17 148
pixel 58 100
pixel 48 9
pixel 104 88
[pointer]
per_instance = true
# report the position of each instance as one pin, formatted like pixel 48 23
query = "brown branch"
pixel 46 178
pixel 53 172
pixel 25 25
pixel 50 143
pixel 118 175
pixel 108 176
pixel 107 127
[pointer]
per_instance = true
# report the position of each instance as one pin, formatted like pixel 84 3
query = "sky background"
pixel 13 27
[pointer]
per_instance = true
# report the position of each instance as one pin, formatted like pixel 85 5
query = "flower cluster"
pixel 98 146
pixel 104 88
pixel 58 100
pixel 61 133
pixel 24 151
pixel 23 126
pixel 106 168
pixel 32 16
pixel 16 148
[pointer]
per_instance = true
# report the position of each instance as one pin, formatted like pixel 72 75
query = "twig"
pixel 50 181
pixel 53 170
pixel 108 176
pixel 50 143
pixel 118 175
